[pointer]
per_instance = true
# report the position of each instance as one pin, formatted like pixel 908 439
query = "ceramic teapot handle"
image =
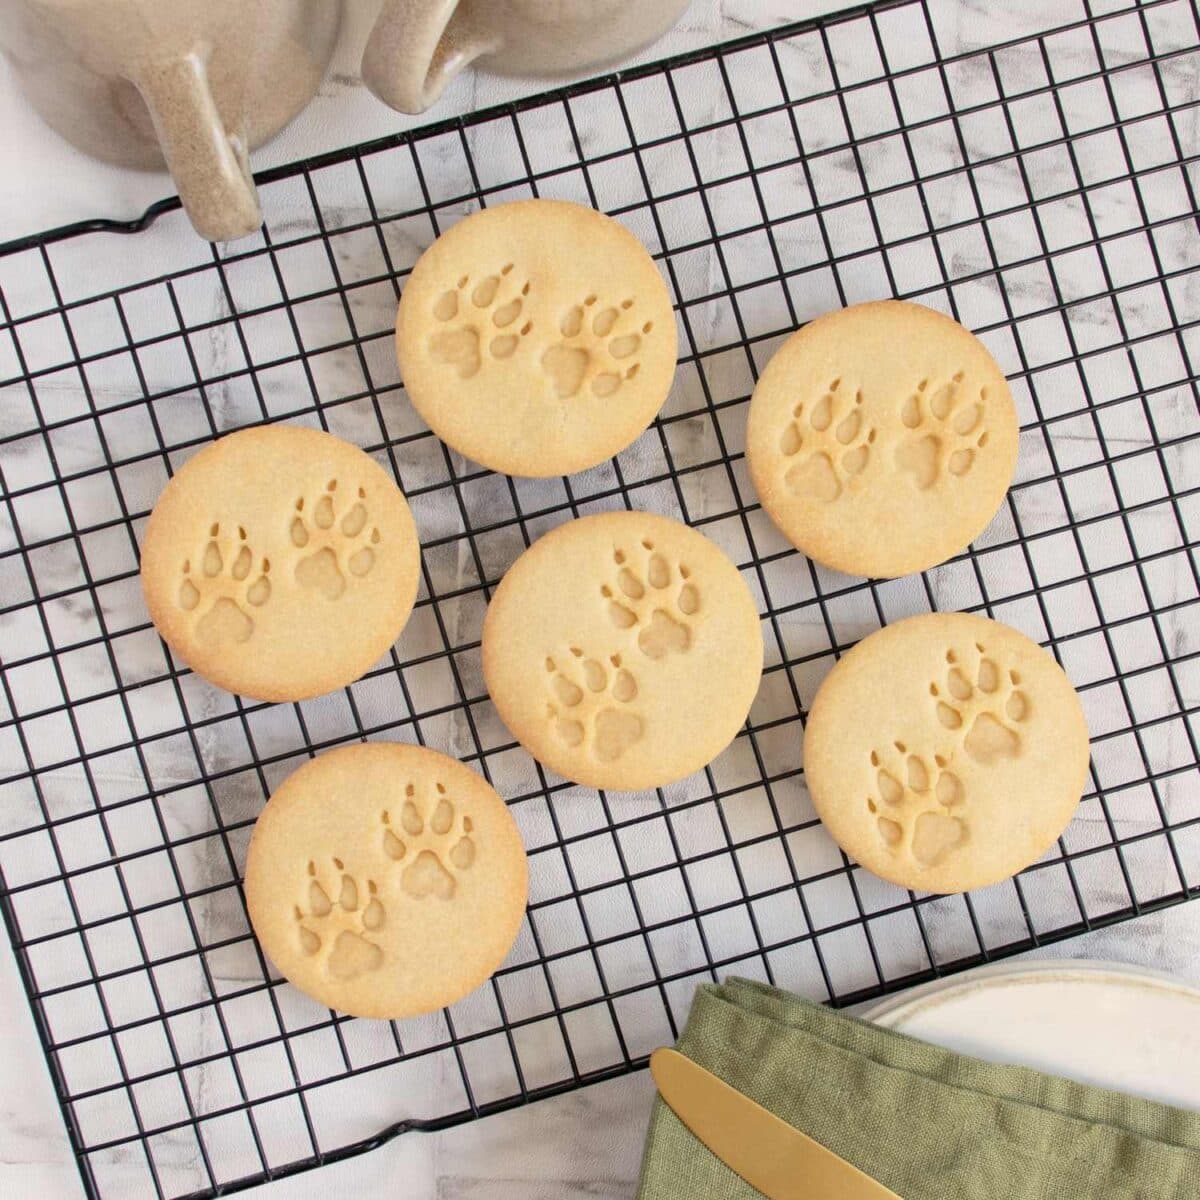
pixel 209 166
pixel 417 47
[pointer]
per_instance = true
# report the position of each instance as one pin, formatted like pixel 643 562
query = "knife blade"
pixel 781 1162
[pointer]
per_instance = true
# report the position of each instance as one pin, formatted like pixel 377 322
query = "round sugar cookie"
pixel 280 562
pixel 946 752
pixel 536 337
pixel 882 438
pixel 386 880
pixel 623 650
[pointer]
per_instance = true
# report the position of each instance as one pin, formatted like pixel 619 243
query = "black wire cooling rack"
pixel 1041 188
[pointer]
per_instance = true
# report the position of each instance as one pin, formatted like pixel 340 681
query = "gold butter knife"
pixel 781 1162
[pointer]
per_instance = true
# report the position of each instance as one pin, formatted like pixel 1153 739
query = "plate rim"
pixel 890 1011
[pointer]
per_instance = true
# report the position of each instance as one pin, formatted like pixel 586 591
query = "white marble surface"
pixel 588 1143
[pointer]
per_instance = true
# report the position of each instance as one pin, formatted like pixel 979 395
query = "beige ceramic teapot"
pixel 418 46
pixel 194 84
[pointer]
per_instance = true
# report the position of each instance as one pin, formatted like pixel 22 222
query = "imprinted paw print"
pixel 434 849
pixel 654 597
pixel 588 706
pixel 482 322
pixel 336 919
pixel 829 444
pixel 224 583
pixel 918 805
pixel 947 437
pixel 336 547
pixel 984 700
pixel 593 349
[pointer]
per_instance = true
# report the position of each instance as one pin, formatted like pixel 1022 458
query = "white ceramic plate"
pixel 1099 1023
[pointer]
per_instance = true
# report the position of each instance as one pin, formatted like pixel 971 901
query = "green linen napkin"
pixel 926 1122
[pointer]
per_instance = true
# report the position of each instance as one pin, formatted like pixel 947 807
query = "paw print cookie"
pixel 590 704
pixel 599 348
pixel 918 805
pixel 280 562
pixel 339 920
pixel 828 443
pixel 385 880
pixel 946 752
pixel 536 337
pixel 479 323
pixel 882 438
pixel 984 702
pixel 338 541
pixel 623 650
pixel 653 598
pixel 947 435
pixel 222 586
pixel 432 851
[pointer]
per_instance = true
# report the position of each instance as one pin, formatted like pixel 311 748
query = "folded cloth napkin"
pixel 926 1122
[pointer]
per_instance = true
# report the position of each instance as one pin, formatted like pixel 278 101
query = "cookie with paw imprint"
pixel 946 752
pixel 536 337
pixel 623 650
pixel 280 562
pixel 385 880
pixel 882 438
